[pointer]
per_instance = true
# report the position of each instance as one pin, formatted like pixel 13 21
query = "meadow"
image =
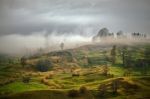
pixel 88 72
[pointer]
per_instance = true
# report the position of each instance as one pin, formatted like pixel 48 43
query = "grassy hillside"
pixel 135 87
pixel 87 72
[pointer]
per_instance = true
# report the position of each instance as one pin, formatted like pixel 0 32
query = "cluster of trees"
pixel 5 59
pixel 139 35
pixel 104 32
pixel 120 33
pixel 129 59
pixel 42 65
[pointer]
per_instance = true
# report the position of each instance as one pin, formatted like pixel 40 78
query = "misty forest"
pixel 74 49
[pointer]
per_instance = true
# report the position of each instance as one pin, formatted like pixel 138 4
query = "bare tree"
pixel 23 61
pixel 62 46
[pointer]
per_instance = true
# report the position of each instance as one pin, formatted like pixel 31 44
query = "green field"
pixel 74 68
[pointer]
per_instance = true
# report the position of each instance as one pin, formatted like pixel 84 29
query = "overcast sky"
pixel 24 24
pixel 73 16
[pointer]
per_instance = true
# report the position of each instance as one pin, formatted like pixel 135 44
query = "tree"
pixel 119 33
pixel 144 61
pixel 144 66
pixel 105 70
pixel 102 89
pixel 62 46
pixel 43 65
pixel 147 55
pixel 103 32
pixel 113 54
pixel 123 53
pixel 115 85
pixel 127 72
pixel 23 61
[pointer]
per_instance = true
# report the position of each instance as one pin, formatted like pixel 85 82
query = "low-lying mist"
pixel 29 44
pixel 16 44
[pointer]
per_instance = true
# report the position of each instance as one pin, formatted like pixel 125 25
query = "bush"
pixel 105 70
pixel 26 79
pixel 7 81
pixel 83 90
pixel 75 74
pixel 43 65
pixel 111 75
pixel 50 76
pixel 44 81
pixel 102 89
pixel 73 93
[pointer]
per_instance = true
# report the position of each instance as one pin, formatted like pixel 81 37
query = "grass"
pixel 116 70
pixel 90 77
pixel 41 92
pixel 64 80
pixel 18 87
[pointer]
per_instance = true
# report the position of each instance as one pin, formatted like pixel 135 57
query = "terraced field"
pixel 82 73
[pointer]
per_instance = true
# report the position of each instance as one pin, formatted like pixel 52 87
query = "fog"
pixel 44 42
pixel 29 25
pixel 16 44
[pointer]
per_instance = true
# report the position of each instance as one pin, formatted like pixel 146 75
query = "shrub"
pixel 73 93
pixel 111 75
pixel 75 74
pixel 49 76
pixel 102 89
pixel 44 81
pixel 26 79
pixel 7 81
pixel 43 65
pixel 83 90
pixel 105 70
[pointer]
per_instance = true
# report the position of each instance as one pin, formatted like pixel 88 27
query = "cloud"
pixel 28 16
pixel 16 44
pixel 26 22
